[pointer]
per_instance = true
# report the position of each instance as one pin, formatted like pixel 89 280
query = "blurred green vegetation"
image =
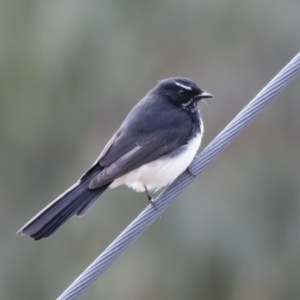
pixel 70 71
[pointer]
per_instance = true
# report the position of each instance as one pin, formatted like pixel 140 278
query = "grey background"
pixel 71 70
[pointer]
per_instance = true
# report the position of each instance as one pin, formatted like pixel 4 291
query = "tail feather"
pixel 86 207
pixel 49 228
pixel 76 200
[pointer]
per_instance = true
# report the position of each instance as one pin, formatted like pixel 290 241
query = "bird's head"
pixel 182 92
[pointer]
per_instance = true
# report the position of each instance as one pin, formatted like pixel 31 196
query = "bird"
pixel 156 143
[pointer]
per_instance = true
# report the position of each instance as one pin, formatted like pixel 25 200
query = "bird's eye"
pixel 182 92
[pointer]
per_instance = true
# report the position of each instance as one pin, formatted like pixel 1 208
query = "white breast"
pixel 161 172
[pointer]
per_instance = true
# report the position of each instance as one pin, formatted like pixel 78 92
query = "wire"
pixel 150 214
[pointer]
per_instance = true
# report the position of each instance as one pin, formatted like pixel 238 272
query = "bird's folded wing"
pixel 127 153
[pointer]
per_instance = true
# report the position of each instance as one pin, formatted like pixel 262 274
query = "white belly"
pixel 161 172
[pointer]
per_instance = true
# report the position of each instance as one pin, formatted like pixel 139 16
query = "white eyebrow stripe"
pixel 183 86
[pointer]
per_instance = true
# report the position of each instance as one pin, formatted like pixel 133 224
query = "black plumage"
pixel 159 126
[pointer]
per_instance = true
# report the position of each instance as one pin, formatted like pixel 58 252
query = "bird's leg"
pixel 149 197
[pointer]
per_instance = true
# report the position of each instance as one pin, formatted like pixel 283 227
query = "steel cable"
pixel 149 214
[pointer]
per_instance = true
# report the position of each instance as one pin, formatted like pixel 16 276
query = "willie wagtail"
pixel 156 142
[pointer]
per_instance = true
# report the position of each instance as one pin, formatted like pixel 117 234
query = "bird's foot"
pixel 150 199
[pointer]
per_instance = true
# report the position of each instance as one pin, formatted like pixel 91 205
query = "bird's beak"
pixel 205 95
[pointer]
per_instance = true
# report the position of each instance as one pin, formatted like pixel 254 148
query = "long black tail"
pixel 76 200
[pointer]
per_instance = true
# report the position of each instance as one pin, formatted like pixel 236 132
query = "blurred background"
pixel 71 70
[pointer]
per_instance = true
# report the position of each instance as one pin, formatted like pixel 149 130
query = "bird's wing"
pixel 127 153
pixel 95 166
